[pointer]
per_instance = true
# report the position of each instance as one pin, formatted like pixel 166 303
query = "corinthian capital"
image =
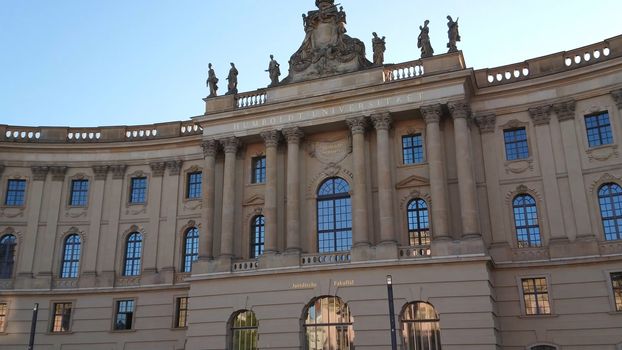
pixel 39 172
pixel 293 135
pixel 357 125
pixel 174 167
pixel 565 110
pixel 271 138
pixel 486 123
pixel 540 115
pixel 118 171
pixel 382 121
pixel 432 113
pixel 58 173
pixel 210 148
pixel 459 109
pixel 231 144
pixel 100 171
pixel 617 96
pixel 157 168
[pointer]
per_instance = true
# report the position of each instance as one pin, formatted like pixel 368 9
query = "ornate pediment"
pixel 326 49
pixel 254 200
pixel 413 181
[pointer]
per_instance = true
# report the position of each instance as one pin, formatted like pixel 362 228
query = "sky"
pixel 120 62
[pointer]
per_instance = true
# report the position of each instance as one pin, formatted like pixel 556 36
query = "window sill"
pixel 413 165
pixel 123 331
pixel 59 333
pixel 599 147
pixel 615 313
pixel 527 317
pixel 258 184
pixel 179 328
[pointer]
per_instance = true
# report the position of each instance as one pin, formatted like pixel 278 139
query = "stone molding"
pixel 381 121
pixel 100 171
pixel 231 144
pixel 271 138
pixel 617 97
pixel 157 168
pixel 58 173
pixel 565 110
pixel 210 148
pixel 540 115
pixel 39 173
pixel 432 113
pixel 357 125
pixel 486 123
pixel 459 109
pixel 174 167
pixel 118 171
pixel 293 135
pixel 1 169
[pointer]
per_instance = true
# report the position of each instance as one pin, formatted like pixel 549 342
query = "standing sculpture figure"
pixel 379 46
pixel 453 34
pixel 423 42
pixel 275 71
pixel 233 80
pixel 212 81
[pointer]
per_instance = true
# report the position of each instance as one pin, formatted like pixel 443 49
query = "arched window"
pixel 7 256
pixel 334 216
pixel 258 231
pixel 610 200
pixel 71 257
pixel 420 327
pixel 328 325
pixel 133 251
pixel 191 248
pixel 244 328
pixel 418 223
pixel 526 221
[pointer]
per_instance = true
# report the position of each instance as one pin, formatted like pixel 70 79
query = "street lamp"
pixel 33 326
pixel 391 312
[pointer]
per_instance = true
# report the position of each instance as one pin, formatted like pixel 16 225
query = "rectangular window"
pixel 181 312
pixel 259 170
pixel 124 315
pixel 61 321
pixel 3 312
pixel 138 190
pixel 412 149
pixel 598 129
pixel 616 281
pixel 536 296
pixel 516 144
pixel 15 193
pixel 79 193
pixel 193 189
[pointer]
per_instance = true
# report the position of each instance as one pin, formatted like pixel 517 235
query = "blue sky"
pixel 115 62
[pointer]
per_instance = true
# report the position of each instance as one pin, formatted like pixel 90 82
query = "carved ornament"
pixel 271 138
pixel 293 135
pixel 174 167
pixel 540 115
pixel 118 171
pixel 210 148
pixel 565 110
pixel 432 113
pixel 58 173
pixel 357 125
pixel 231 144
pixel 100 171
pixel 330 152
pixel 381 121
pixel 39 172
pixel 486 123
pixel 459 109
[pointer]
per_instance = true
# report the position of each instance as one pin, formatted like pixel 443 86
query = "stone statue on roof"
pixel 379 46
pixel 274 69
pixel 423 42
pixel 453 34
pixel 233 80
pixel 212 81
pixel 326 49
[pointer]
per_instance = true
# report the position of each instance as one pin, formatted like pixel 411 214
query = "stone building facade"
pixel 491 197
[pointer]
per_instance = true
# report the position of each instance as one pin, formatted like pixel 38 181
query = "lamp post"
pixel 33 326
pixel 391 312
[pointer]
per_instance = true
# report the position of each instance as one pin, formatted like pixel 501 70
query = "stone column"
pixel 206 233
pixel 87 278
pixel 293 136
pixel 382 123
pixel 360 235
pixel 617 97
pixel 170 194
pixel 271 139
pixel 113 202
pixel 152 239
pixel 438 186
pixel 566 116
pixel 460 111
pixel 230 146
pixel 541 117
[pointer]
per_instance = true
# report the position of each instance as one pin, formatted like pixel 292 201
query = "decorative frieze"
pixel 381 121
pixel 118 171
pixel 617 97
pixel 486 123
pixel 293 135
pixel 39 172
pixel 210 148
pixel 271 138
pixel 100 171
pixel 459 109
pixel 565 110
pixel 357 125
pixel 157 168
pixel 432 113
pixel 58 173
pixel 231 144
pixel 174 167
pixel 540 115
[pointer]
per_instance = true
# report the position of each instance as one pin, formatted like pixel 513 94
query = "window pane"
pixel 598 129
pixel 334 216
pixel 7 256
pixel 71 257
pixel 79 192
pixel 257 236
pixel 15 194
pixel 191 249
pixel 181 315
pixel 138 190
pixel 516 144
pixel 610 202
pixel 412 149
pixel 526 221
pixel 259 170
pixel 329 325
pixel 3 312
pixel 133 253
pixel 616 281
pixel 244 331
pixel 124 315
pixel 536 296
pixel 194 185
pixel 62 317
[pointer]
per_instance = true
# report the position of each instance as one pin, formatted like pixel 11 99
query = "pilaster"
pixel 293 137
pixel 271 139
pixel 96 204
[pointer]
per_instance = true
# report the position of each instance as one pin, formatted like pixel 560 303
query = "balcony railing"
pixel 414 252
pixel 245 265
pixel 325 258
